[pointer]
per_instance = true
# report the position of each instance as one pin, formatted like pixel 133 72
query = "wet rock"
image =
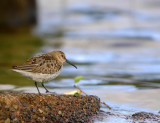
pixel 20 107
pixel 139 117
pixel 145 117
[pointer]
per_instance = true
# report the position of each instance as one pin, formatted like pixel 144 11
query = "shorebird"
pixel 43 68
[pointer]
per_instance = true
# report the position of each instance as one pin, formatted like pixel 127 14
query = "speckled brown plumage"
pixel 45 64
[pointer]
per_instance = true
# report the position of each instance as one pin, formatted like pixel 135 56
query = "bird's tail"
pixel 14 67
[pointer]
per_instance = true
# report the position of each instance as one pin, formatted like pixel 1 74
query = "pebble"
pixel 40 111
pixel 7 121
pixel 59 112
pixel 24 104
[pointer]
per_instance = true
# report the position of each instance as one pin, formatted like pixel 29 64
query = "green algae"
pixel 15 48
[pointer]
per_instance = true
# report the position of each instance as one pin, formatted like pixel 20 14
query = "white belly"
pixel 38 77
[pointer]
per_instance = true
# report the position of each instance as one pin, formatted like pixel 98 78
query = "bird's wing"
pixel 44 63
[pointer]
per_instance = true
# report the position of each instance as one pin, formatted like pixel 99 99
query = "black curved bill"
pixel 71 63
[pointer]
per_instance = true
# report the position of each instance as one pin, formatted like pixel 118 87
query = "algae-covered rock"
pixel 20 107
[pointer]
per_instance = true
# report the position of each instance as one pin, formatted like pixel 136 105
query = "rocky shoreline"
pixel 29 107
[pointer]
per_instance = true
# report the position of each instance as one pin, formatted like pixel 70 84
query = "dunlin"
pixel 43 68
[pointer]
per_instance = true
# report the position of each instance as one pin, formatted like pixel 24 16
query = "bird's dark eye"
pixel 62 55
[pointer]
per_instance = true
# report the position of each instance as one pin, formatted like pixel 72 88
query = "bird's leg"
pixel 47 91
pixel 45 88
pixel 37 88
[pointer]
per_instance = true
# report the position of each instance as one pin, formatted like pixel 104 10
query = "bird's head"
pixel 60 56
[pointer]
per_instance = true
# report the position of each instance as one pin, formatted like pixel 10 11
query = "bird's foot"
pixel 39 94
pixel 53 93
pixel 47 91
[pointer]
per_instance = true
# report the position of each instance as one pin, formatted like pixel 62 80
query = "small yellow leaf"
pixel 73 92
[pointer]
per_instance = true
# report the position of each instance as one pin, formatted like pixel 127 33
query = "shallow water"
pixel 116 47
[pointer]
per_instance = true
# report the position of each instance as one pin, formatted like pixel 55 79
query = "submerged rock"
pixel 21 107
pixel 145 116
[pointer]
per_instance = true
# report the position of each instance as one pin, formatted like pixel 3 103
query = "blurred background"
pixel 114 43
